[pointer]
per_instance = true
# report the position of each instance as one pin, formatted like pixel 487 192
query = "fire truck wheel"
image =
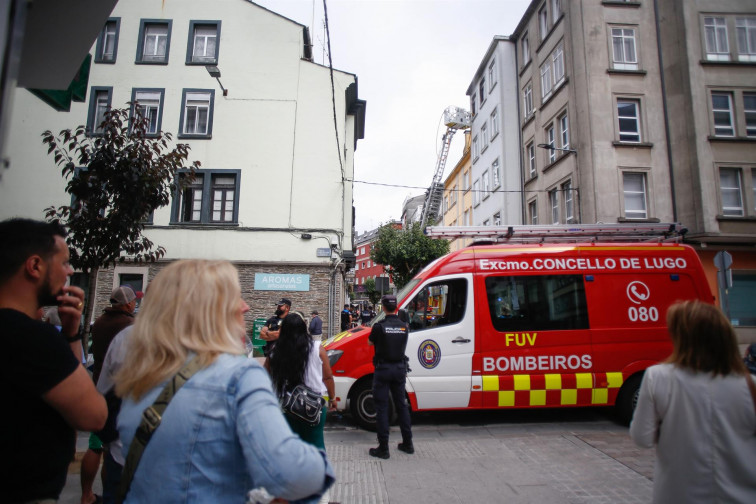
pixel 362 407
pixel 628 398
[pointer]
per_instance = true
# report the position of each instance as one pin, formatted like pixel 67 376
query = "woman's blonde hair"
pixel 190 306
pixel 703 339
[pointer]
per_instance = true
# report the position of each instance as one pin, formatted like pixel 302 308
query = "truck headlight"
pixel 334 356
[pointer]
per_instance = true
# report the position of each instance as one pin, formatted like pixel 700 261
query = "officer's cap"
pixel 389 301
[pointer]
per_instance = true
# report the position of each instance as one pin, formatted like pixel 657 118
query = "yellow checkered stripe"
pixel 570 389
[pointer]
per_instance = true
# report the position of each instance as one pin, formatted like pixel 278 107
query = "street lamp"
pixel 551 147
pixel 214 71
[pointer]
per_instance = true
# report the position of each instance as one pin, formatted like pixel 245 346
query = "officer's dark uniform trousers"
pixel 390 340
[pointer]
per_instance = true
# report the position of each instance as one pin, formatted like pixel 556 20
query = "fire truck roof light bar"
pixel 556 233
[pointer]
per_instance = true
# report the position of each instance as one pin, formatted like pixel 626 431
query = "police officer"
pixel 390 340
pixel 271 329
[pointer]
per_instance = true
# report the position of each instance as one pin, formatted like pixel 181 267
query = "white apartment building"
pixel 496 177
pixel 273 194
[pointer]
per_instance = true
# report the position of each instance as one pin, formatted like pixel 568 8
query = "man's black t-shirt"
pixel 37 442
pixel 273 324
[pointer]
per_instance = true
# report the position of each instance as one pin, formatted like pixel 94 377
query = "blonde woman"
pixel 697 409
pixel 223 433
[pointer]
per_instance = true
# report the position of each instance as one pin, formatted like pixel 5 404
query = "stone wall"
pixel 261 302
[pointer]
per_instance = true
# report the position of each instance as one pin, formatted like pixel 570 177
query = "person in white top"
pixel 298 359
pixel 698 410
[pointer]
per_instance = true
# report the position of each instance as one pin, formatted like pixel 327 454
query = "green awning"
pixel 61 100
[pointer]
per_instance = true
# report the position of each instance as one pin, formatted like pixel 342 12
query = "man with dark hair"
pixel 48 391
pixel 389 337
pixel 272 327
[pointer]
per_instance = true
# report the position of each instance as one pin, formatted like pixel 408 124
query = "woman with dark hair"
pixel 698 410
pixel 298 359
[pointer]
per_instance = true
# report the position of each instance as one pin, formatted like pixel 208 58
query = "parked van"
pixel 529 326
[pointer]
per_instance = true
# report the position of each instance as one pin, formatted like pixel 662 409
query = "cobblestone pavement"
pixel 544 458
pixel 535 463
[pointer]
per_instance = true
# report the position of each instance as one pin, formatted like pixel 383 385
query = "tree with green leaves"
pixel 404 252
pixel 117 176
pixel 373 294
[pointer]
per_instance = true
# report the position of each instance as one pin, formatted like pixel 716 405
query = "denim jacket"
pixel 222 435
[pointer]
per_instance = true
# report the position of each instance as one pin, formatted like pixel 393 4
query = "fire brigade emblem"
pixel 429 354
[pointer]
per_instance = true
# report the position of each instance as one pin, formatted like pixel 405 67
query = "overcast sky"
pixel 412 58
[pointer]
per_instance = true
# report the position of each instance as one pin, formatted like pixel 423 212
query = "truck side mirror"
pixel 403 316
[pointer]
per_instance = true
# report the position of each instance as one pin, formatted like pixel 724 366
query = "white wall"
pixel 275 125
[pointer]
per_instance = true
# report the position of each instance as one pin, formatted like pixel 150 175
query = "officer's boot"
pixel 406 447
pixel 382 451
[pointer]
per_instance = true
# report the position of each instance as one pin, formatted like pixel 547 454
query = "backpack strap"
pixel 151 418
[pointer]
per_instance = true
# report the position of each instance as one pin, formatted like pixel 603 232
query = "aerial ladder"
pixel 455 118
pixel 563 233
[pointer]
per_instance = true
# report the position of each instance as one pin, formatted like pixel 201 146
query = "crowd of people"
pixel 198 420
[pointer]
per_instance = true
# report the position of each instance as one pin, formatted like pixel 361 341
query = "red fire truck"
pixel 565 317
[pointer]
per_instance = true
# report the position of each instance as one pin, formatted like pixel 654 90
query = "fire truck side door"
pixel 441 342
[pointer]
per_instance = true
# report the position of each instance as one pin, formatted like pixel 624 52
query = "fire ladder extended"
pixel 455 118
pixel 564 233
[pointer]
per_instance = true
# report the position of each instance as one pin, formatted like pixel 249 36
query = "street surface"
pixel 529 456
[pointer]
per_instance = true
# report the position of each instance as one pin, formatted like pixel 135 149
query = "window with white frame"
pixel 197 113
pixel 628 120
pixel 715 34
pixel 149 103
pixel 721 107
pixel 473 104
pixel 731 190
pixel 99 103
pixel 487 222
pixel 475 148
pixel 495 175
pixel 634 192
pixel 556 10
pixel 551 141
pixel 554 204
pixel 211 198
pixel 745 31
pixel 494 122
pixel 497 219
pixel 486 184
pixel 531 159
pixel 527 99
pixel 557 58
pixel 564 131
pixel 525 48
pixel 483 137
pixel 569 216
pixel 468 219
pixel 749 111
pixel 203 47
pixel 543 22
pixel 154 41
pixel 476 192
pixel 546 79
pixel 482 90
pixel 492 79
pixel 624 56
pixel 453 195
pixel 465 180
pixel 107 43
pixel 532 212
